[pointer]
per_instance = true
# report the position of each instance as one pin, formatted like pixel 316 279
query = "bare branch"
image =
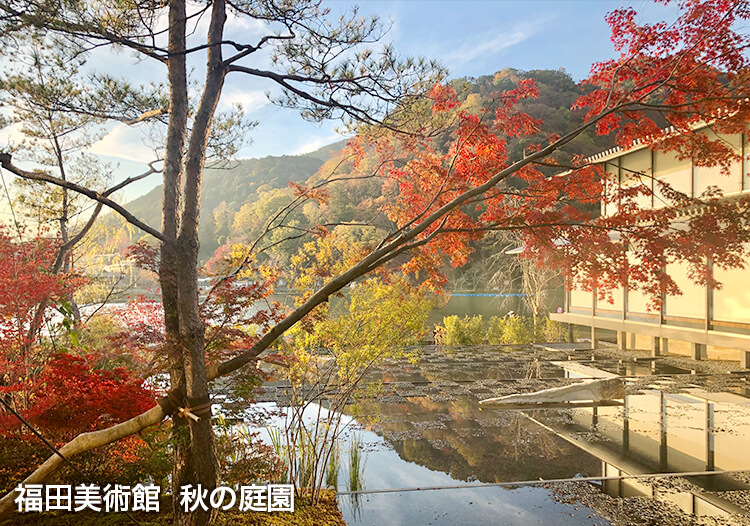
pixel 5 162
pixel 145 116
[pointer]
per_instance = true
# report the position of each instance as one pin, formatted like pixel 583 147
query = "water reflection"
pixel 429 414
pixel 429 418
pixel 409 463
pixel 472 506
pixel 425 428
pixel 455 437
pixel 665 428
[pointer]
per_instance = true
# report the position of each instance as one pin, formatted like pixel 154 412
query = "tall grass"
pixel 332 469
pixel 357 461
pixel 277 441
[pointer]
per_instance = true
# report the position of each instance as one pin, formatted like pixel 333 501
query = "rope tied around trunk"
pixel 174 402
pixel 197 407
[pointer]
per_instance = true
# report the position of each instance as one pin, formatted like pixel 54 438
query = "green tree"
pixel 328 361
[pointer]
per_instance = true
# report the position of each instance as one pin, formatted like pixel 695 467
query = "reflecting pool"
pixel 428 445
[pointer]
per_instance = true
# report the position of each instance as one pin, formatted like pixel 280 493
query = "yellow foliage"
pixel 376 319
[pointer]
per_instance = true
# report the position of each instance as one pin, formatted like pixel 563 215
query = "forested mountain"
pixel 557 93
pixel 225 190
pixel 237 201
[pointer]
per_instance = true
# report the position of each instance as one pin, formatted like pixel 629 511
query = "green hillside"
pixel 236 184
pixel 227 189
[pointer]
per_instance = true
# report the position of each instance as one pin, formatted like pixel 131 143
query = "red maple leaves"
pixel 62 393
pixel 669 83
pixel 673 77
pixel 72 395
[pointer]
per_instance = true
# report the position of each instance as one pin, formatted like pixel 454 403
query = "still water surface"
pixel 425 428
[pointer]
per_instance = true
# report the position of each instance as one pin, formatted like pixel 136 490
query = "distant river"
pixel 487 304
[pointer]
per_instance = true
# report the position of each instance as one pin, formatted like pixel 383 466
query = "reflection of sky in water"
pixel 425 429
pixel 476 507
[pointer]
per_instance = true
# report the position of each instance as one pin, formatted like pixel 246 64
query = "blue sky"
pixel 471 38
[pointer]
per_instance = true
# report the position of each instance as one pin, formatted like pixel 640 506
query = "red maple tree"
pixel 61 394
pixel 25 284
pixel 669 84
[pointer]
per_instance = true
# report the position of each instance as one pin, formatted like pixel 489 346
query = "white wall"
pixel 732 302
pixel 677 173
pixel 581 298
pixel 636 170
pixel 711 176
pixel 692 302
pixel 611 171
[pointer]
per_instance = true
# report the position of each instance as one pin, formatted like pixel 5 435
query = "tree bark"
pixel 195 453
pixel 169 263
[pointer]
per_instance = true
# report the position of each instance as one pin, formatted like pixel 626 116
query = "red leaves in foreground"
pixel 72 395
pixel 26 283
pixel 690 71
pixel 63 394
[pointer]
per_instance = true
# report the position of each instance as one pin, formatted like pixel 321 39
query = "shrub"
pixel 509 330
pixel 495 328
pixel 499 330
pixel 246 457
pixel 517 330
pixel 461 331
pixel 551 331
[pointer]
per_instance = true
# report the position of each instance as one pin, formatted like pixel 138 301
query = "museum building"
pixel 702 322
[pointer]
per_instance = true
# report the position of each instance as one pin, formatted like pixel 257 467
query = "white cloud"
pixel 316 143
pixel 11 134
pixel 250 100
pixel 124 142
pixel 472 50
pixel 245 24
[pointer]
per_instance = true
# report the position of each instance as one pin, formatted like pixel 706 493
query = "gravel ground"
pixel 632 511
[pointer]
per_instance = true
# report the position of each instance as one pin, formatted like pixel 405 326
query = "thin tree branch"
pixel 5 162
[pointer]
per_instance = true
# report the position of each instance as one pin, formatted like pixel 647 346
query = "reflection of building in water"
pixel 701 323
pixel 659 432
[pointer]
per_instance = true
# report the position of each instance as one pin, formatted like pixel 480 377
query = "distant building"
pixel 700 323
